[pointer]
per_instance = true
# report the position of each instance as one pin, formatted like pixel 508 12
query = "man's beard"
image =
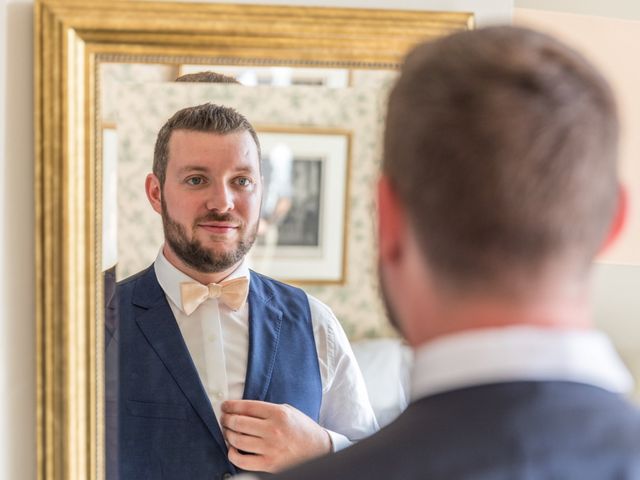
pixel 194 254
pixel 391 315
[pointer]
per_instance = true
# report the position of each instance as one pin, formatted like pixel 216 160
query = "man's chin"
pixel 218 243
pixel 217 262
pixel 216 238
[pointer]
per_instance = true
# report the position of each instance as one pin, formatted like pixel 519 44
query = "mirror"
pixel 75 43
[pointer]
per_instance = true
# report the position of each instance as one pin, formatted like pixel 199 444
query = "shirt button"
pixel 219 395
pixel 212 338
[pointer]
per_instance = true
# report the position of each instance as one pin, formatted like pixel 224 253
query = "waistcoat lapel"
pixel 265 323
pixel 160 328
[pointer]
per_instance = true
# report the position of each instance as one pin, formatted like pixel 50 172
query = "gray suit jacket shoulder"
pixel 518 430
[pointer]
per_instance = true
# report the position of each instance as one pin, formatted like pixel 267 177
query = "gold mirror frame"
pixel 71 39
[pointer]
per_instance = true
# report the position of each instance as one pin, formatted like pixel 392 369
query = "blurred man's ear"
pixel 619 220
pixel 391 221
pixel 154 192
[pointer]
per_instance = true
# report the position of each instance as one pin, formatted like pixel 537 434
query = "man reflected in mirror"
pixel 221 368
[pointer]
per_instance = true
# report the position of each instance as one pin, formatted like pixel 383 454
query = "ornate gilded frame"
pixel 72 37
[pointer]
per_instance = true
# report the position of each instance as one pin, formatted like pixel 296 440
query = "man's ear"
pixel 391 221
pixel 619 220
pixel 154 192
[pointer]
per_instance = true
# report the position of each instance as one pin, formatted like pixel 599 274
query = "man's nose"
pixel 219 198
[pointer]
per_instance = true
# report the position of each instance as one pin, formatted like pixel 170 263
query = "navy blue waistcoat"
pixel 167 427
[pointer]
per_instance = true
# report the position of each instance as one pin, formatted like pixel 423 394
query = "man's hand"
pixel 270 437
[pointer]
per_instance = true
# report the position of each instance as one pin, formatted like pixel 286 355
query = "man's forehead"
pixel 240 143
pixel 238 135
pixel 241 139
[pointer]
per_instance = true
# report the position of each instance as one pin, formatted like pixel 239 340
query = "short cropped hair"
pixel 206 77
pixel 201 118
pixel 501 144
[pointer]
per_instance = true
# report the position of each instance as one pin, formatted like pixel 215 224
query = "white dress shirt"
pixel 218 341
pixel 517 353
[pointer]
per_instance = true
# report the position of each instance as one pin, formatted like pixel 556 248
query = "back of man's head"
pixel 501 144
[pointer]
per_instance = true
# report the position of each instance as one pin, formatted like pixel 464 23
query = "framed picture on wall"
pixel 302 231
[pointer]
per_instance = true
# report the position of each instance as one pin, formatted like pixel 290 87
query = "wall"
pixel 17 325
pixel 4 372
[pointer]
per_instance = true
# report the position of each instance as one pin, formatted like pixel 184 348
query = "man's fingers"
pixel 251 408
pixel 252 463
pixel 246 443
pixel 243 424
pixel 280 435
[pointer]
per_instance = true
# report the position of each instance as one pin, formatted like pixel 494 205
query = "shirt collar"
pixel 515 354
pixel 170 278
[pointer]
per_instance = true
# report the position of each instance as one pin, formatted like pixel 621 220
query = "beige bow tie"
pixel 233 293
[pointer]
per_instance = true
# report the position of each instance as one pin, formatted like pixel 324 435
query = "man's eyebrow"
pixel 242 168
pixel 192 168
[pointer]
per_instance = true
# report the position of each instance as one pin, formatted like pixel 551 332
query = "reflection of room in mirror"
pixel 291 204
pixel 113 74
pixel 109 197
pixel 301 234
pixel 277 76
pixel 302 224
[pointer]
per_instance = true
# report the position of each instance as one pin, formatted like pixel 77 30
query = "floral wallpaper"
pixel 111 74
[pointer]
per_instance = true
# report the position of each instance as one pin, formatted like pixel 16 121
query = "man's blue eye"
pixel 244 181
pixel 195 181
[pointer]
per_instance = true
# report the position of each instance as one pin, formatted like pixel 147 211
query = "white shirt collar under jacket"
pixel 170 278
pixel 508 354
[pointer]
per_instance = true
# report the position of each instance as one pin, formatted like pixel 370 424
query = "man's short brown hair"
pixel 502 144
pixel 201 118
pixel 206 77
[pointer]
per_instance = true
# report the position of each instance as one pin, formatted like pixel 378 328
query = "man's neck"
pixel 204 278
pixel 561 312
